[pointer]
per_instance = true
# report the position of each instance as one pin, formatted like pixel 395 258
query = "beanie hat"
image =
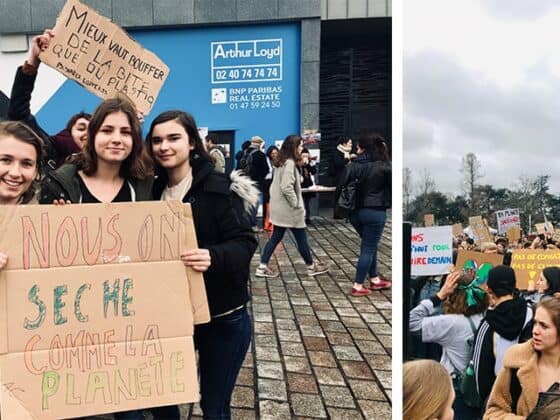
pixel 257 141
pixel 501 279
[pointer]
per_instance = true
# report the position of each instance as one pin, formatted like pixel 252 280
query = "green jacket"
pixel 63 184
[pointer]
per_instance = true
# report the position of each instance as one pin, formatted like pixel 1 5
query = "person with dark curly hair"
pixel 464 305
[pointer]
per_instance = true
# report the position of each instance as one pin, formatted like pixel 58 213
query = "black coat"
pixel 259 168
pixel 374 190
pixel 222 226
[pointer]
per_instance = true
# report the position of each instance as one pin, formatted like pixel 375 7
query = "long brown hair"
pixel 426 390
pixel 137 164
pixel 289 150
pixel 25 134
pixel 457 302
pixel 375 146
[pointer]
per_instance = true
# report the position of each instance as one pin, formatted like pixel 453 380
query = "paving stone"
pixel 366 390
pixel 310 320
pixel 264 327
pixel 283 313
pixel 337 396
pixel 243 396
pixel 272 370
pixel 335 326
pixel 316 343
pixel 306 310
pixel 347 353
pixel 373 318
pixel 354 369
pixel 327 315
pixel 350 312
pixel 289 335
pixel 297 364
pixel 286 324
pixel 375 409
pixel 273 410
pixel 311 331
pixel 248 361
pixel 353 322
pixel 386 341
pixel 272 389
pixel 308 405
pixel 371 347
pixel 265 340
pixel 245 377
pixel 384 377
pixel 322 358
pixel 339 338
pixel 243 414
pixel 380 362
pixel 361 334
pixel 328 376
pixel 381 329
pixel 298 382
pixel 262 307
pixel 267 353
pixel 292 349
pixel 344 414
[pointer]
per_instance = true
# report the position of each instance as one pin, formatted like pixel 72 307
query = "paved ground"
pixel 317 351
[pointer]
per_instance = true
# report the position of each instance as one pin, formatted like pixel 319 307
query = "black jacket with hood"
pixel 507 324
pixel 221 221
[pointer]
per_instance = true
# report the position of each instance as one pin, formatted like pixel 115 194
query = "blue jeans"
pixel 369 224
pixel 277 235
pixel 129 415
pixel 222 345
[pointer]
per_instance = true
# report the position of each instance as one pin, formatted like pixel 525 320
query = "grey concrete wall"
pixel 32 16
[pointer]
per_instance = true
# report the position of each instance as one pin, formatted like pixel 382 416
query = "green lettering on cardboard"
pixel 59 291
pixel 177 363
pixel 79 316
pixel 128 284
pixel 157 362
pixel 71 398
pixel 98 381
pixel 49 386
pixel 109 296
pixel 34 298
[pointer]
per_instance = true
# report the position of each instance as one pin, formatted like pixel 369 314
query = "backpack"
pixel 467 379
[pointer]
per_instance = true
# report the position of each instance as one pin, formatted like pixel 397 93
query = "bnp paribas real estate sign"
pixel 240 78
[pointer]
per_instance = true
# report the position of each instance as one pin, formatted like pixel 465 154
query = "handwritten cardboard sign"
pixel 479 262
pixel 528 263
pixel 431 251
pixel 542 228
pixel 429 220
pixel 457 229
pixel 480 229
pixel 507 219
pixel 513 234
pixel 96 310
pixel 103 58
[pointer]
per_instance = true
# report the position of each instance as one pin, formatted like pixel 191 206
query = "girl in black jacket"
pixel 372 170
pixel 226 246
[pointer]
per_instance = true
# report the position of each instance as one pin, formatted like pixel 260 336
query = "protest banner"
pixel 431 251
pixel 480 230
pixel 457 229
pixel 513 234
pixel 479 262
pixel 543 228
pixel 507 219
pixel 528 264
pixel 103 58
pixel 96 309
pixel 429 220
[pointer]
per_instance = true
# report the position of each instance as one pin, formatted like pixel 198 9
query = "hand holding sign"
pixel 3 260
pixel 39 44
pixel 198 259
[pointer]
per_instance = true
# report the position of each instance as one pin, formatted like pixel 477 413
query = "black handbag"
pixel 348 195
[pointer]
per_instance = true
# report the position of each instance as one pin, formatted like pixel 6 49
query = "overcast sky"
pixel 482 77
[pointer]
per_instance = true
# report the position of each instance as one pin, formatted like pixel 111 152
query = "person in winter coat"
pixel 59 146
pixel 220 208
pixel 271 156
pixel 464 304
pixel 547 285
pixel 216 154
pixel 287 210
pixel 533 366
pixel 257 170
pixel 506 323
pixel 372 169
pixel 307 170
pixel 342 156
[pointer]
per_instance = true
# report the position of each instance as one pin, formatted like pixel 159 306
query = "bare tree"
pixel 426 184
pixel 407 190
pixel 470 169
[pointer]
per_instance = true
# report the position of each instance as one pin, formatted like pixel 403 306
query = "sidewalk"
pixel 317 351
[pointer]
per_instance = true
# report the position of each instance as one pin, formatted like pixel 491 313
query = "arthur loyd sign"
pixel 96 310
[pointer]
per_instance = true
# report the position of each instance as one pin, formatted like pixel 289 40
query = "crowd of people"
pixel 498 345
pixel 102 158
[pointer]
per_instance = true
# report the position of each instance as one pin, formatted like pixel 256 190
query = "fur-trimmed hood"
pixel 245 188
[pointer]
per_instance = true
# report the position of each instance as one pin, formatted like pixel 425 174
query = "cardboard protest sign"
pixel 103 58
pixel 457 229
pixel 96 310
pixel 542 228
pixel 431 251
pixel 429 220
pixel 528 263
pixel 507 219
pixel 478 262
pixel 480 229
pixel 513 234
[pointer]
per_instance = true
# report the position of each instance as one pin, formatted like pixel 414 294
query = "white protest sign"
pixel 507 219
pixel 431 250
